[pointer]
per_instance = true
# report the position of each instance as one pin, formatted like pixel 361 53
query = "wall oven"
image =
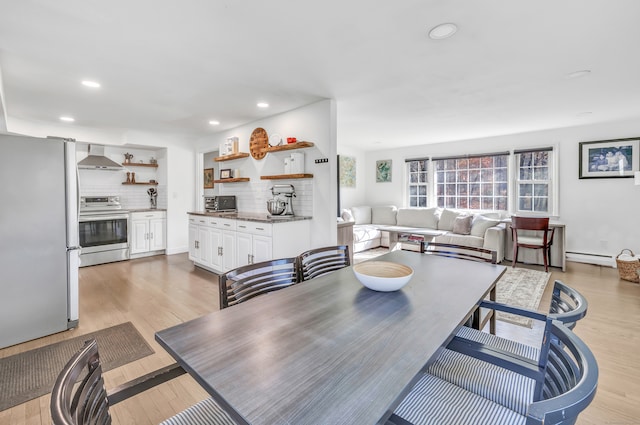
pixel 103 230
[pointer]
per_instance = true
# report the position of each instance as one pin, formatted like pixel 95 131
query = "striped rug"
pixel 31 374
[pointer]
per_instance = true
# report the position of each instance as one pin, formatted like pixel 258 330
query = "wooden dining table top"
pixel 329 350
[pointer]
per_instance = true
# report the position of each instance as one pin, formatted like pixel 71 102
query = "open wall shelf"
pixel 235 180
pixel 287 176
pixel 231 156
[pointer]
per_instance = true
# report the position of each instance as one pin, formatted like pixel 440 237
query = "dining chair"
pixel 320 261
pixel 463 361
pixel 459 251
pixel 246 282
pixel 88 402
pixel 534 233
pixel 569 381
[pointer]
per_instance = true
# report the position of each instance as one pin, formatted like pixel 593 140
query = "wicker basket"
pixel 628 267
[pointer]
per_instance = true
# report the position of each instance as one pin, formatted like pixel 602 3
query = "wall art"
pixel 347 169
pixel 383 171
pixel 609 158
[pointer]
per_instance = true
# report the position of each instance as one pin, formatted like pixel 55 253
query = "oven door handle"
pixel 87 218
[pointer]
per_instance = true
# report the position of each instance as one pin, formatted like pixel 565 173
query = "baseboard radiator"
pixel 597 259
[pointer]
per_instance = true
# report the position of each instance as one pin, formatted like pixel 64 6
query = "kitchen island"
pixel 221 241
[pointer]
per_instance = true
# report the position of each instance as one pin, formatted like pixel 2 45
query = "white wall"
pixel 180 167
pixel 600 214
pixel 314 123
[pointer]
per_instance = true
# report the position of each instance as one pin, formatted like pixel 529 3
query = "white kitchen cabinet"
pixel 147 233
pixel 232 243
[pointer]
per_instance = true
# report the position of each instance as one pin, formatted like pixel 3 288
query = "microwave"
pixel 220 203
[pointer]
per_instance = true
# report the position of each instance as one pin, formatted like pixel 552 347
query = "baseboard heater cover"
pixel 597 259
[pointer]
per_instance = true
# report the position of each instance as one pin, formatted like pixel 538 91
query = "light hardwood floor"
pixel 157 292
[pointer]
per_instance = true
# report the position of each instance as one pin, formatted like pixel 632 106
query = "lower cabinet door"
pixel 215 238
pixel 156 234
pixel 243 249
pixel 139 236
pixel 193 242
pixel 261 248
pixel 228 250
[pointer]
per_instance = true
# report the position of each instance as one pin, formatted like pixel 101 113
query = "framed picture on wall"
pixel 347 170
pixel 609 158
pixel 383 171
pixel 225 173
pixel 208 178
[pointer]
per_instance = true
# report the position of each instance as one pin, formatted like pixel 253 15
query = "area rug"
pixel 523 288
pixel 31 374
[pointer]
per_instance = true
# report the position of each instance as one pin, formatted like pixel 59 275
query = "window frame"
pixel 427 184
pixel 551 181
pixel 459 167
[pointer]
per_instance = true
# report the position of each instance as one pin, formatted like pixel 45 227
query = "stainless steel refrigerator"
pixel 38 238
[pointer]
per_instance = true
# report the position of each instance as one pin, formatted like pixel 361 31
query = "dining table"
pixel 328 350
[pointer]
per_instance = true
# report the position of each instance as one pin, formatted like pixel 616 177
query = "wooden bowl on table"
pixel 383 276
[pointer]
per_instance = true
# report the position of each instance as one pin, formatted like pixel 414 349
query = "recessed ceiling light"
pixel 442 31
pixel 583 114
pixel 67 119
pixel 213 122
pixel 263 105
pixel 92 84
pixel 578 74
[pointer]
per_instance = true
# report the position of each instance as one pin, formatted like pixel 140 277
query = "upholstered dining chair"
pixel 553 394
pixel 459 251
pixel 320 261
pixel 473 359
pixel 88 402
pixel 534 233
pixel 246 282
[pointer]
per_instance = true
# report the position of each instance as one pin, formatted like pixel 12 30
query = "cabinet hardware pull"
pixel 228 225
pixel 259 228
pixel 151 237
pixel 242 227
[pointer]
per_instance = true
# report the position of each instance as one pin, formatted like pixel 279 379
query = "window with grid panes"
pixel 418 180
pixel 474 183
pixel 534 180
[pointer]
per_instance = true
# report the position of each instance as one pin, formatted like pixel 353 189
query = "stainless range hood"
pixel 97 161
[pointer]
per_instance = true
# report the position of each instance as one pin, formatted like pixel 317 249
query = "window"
pixel 472 182
pixel 534 180
pixel 418 173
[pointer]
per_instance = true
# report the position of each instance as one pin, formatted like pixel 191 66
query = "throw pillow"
pixel 418 217
pixel 384 215
pixel 346 215
pixel 462 225
pixel 481 224
pixel 361 215
pixel 447 217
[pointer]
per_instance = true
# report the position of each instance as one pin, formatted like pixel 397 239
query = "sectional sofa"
pixel 372 225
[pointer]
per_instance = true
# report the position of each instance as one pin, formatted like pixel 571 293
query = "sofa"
pixel 372 225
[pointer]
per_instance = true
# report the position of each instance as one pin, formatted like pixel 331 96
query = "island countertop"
pixel 247 216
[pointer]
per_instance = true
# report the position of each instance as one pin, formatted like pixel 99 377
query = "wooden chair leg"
pixel 515 255
pixel 544 255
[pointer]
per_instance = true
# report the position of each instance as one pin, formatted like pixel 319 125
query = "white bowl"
pixel 383 276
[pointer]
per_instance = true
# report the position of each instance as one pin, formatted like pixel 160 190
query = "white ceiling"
pixel 174 65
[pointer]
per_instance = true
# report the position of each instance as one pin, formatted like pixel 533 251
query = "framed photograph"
pixel 225 173
pixel 208 178
pixel 383 171
pixel 609 158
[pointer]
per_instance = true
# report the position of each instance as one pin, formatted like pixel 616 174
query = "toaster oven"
pixel 220 203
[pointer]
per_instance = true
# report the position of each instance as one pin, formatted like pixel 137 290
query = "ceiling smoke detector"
pixel 443 31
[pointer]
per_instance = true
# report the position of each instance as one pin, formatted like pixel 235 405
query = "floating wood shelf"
pixel 138 164
pixel 290 146
pixel 235 180
pixel 287 176
pixel 140 183
pixel 231 156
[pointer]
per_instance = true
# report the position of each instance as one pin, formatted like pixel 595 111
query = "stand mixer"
pixel 285 190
